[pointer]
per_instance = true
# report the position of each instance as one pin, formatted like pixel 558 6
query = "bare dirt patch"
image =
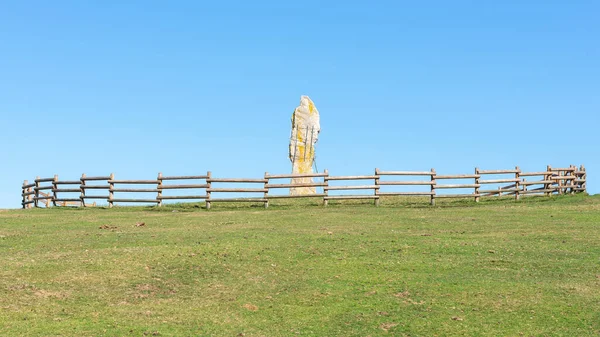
pixel 50 294
pixel 251 307
pixel 387 326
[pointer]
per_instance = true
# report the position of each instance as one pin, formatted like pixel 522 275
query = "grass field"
pixel 497 268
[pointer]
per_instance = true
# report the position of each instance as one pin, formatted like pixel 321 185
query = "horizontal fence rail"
pixel 483 183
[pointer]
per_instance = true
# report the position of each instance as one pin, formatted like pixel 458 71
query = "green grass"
pixel 497 268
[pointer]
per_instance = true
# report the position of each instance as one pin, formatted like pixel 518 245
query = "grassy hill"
pixel 497 268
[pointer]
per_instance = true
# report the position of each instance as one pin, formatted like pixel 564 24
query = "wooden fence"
pixel 514 182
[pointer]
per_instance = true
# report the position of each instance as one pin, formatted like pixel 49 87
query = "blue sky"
pixel 182 87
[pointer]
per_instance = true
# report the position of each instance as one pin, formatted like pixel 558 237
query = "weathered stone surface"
pixel 305 133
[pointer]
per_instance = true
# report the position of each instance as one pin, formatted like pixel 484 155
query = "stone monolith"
pixel 305 133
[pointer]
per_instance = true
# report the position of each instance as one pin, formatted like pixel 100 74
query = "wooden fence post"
pixel 111 190
pixel 432 201
pixel 82 188
pixel 577 179
pixel 37 192
pixel 159 187
pixel 584 178
pixel 266 187
pixel 24 197
pixel 325 188
pixel 547 177
pixel 377 185
pixel 573 185
pixel 30 197
pixel 517 178
pixel 581 179
pixel 560 182
pixel 54 188
pixel 208 175
pixel 477 184
pixel 568 182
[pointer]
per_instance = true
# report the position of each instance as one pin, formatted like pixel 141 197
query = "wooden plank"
pixel 458 176
pixel 528 183
pixel 28 202
pixel 498 181
pixel 351 177
pixel 404 193
pixel 296 196
pixel 236 180
pixel 68 199
pixel 24 194
pixel 529 174
pixel 364 187
pixel 238 200
pixel 95 187
pixel 96 197
pixel 538 191
pixel 32 185
pixel 458 186
pixel 295 175
pixel 174 197
pixel 496 191
pixel 68 182
pixel 563 177
pixel 457 195
pixel 246 190
pixel 94 178
pixel 553 188
pixel 66 190
pixel 133 181
pixel 171 187
pixel 41 188
pixel 48 197
pixel 348 197
pixel 295 185
pixel 43 180
pixel 135 190
pixel 390 183
pixel 568 169
pixel 404 173
pixel 184 177
pixel 497 171
pixel 134 200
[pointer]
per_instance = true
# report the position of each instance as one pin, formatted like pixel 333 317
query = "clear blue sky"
pixel 182 87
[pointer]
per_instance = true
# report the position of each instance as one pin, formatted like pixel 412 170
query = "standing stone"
pixel 305 133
